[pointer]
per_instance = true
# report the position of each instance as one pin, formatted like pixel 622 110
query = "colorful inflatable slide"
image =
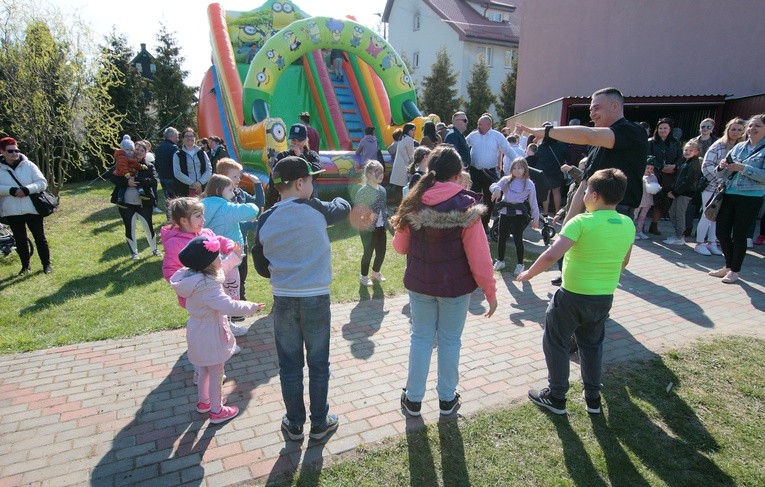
pixel 271 64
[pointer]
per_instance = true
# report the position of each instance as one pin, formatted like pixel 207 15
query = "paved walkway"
pixel 121 412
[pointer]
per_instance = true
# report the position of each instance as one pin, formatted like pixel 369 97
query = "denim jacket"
pixel 752 177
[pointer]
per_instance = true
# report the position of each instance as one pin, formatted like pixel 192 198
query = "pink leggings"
pixel 640 214
pixel 210 386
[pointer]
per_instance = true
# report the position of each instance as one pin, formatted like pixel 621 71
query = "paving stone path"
pixel 121 412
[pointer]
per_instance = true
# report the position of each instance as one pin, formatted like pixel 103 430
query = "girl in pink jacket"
pixel 208 335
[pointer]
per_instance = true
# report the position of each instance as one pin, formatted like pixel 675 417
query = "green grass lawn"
pixel 97 292
pixel 707 430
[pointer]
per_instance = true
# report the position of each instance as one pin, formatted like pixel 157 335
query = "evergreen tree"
pixel 439 93
pixel 506 106
pixel 479 93
pixel 131 96
pixel 173 100
pixel 51 99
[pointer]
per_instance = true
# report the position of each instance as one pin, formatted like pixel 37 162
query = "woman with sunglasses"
pixel 742 198
pixel 16 205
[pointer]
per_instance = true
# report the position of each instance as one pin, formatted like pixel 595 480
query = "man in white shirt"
pixel 485 145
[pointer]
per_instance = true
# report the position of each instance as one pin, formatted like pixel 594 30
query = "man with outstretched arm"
pixel 616 142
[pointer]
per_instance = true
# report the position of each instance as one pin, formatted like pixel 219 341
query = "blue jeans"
pixel 299 323
pixel 584 317
pixel 446 316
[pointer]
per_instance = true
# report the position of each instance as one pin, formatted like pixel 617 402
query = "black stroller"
pixel 8 243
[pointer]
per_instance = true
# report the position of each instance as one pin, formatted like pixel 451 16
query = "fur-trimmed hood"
pixel 447 205
pixel 432 218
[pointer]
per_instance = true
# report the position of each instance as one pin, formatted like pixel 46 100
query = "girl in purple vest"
pixel 438 227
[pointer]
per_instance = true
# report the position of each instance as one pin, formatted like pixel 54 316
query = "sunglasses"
pixel 13 151
pixel 710 127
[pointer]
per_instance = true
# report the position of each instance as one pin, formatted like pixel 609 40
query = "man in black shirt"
pixel 616 142
pixel 455 137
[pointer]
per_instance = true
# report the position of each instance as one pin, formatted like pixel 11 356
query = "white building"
pixel 417 29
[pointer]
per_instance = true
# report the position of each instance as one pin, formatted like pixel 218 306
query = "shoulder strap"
pixel 10 171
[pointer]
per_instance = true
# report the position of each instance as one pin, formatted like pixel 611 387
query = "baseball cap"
pixel 292 168
pixel 298 131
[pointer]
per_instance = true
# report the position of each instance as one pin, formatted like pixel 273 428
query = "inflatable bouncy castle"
pixel 271 64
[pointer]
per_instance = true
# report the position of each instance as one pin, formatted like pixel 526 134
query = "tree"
pixel 506 106
pixel 439 93
pixel 50 97
pixel 173 100
pixel 131 96
pixel 479 93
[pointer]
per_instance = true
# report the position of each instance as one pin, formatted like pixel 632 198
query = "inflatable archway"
pixel 307 35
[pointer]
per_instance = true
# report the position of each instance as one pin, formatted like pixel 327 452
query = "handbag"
pixel 44 202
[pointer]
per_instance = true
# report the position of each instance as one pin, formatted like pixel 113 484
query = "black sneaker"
pixel 448 407
pixel 294 433
pixel 237 319
pixel 545 399
pixel 412 408
pixel 330 425
pixel 557 281
pixel 592 405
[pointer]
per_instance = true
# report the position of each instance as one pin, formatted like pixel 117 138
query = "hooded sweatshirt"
pixel 174 240
pixel 446 247
pixel 367 148
pixel 208 335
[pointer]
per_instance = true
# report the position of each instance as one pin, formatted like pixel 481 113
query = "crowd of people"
pixel 445 190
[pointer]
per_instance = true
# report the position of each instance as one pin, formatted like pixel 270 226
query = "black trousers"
pixel 482 180
pixel 242 277
pixel 514 224
pixel 733 222
pixel 374 241
pixel 19 225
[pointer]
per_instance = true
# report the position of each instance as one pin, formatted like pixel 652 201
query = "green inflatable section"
pixel 261 85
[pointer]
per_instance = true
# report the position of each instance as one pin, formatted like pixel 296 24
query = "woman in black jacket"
pixel 138 205
pixel 668 154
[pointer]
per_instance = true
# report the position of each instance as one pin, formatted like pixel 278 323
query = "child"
pixel 223 218
pixel 292 249
pixel 438 227
pixel 651 186
pixel 597 246
pixel 208 336
pixel 187 215
pixel 688 174
pixel 127 166
pixel 371 196
pixel 233 170
pixel 417 168
pixel 519 204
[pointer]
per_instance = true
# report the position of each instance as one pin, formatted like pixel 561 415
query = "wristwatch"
pixel 547 130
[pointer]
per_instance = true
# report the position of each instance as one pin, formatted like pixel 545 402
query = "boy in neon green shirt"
pixel 596 246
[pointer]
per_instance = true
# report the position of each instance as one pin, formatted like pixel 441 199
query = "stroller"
pixel 8 243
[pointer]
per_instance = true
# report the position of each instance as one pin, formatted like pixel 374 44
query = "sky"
pixel 139 20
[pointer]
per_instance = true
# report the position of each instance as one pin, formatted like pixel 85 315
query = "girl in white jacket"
pixel 208 335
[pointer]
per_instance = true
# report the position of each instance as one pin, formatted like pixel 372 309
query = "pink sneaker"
pixel 205 408
pixel 226 413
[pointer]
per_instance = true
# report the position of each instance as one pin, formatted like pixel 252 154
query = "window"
pixel 416 60
pixel 416 22
pixel 494 16
pixel 488 55
pixel 508 58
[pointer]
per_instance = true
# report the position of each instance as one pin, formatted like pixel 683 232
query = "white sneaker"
pixel 749 245
pixel 674 241
pixel 377 276
pixel 134 256
pixel 365 281
pixel 237 349
pixel 157 211
pixel 701 248
pixel 643 235
pixel 714 249
pixel 238 331
pixel 499 265
pixel 518 269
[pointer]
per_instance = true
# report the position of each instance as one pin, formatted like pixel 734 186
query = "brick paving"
pixel 121 412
